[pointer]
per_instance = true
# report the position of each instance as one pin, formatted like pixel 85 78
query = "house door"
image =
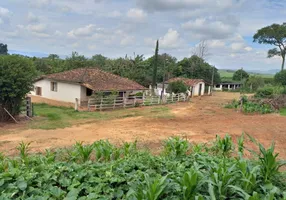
pixel 200 89
pixel 39 91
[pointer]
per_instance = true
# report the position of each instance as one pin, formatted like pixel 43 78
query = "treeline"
pixel 136 68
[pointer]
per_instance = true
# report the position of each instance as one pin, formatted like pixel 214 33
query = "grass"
pixel 283 112
pixel 52 117
pixel 226 75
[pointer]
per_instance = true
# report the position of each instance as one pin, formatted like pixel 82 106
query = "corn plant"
pixel 176 147
pixel 129 148
pixel 190 183
pixel 23 149
pixel 241 145
pixel 105 151
pixel 269 163
pixel 223 146
pixel 84 151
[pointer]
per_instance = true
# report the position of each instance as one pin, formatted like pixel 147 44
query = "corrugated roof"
pixel 187 81
pixel 96 79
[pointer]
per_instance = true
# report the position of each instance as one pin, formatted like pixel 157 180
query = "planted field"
pixel 100 170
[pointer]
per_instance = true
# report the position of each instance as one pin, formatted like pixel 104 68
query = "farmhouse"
pixel 227 86
pixel 196 86
pixel 81 83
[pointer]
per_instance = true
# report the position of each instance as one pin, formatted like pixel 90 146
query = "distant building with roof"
pixel 81 83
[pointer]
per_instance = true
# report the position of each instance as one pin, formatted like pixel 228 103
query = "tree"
pixel 155 66
pixel 201 50
pixel 3 49
pixel 76 61
pixel 53 56
pixel 99 60
pixel 273 35
pixel 280 78
pixel 16 80
pixel 240 75
pixel 177 87
pixel 254 82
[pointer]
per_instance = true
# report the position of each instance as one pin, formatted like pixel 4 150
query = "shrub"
pixel 280 78
pixel 266 92
pixel 16 80
pixel 177 87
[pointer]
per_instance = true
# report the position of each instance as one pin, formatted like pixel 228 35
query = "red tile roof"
pixel 96 79
pixel 187 81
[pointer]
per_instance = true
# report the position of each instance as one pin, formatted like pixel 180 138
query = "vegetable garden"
pixel 218 170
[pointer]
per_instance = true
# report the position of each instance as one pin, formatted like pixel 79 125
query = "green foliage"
pixel 3 49
pixel 250 106
pixel 16 77
pixel 177 87
pixel 240 75
pixel 254 82
pixel 273 35
pixel 134 174
pixel 223 146
pixel 195 67
pixel 266 92
pixel 280 78
pixel 176 147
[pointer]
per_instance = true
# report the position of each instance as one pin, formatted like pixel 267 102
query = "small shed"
pixel 196 87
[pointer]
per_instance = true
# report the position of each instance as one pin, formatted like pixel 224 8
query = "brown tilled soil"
pixel 199 121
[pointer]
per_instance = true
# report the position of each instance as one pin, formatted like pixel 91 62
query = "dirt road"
pixel 198 121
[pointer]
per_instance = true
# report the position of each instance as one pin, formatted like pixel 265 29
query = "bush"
pixel 16 80
pixel 177 87
pixel 280 78
pixel 266 92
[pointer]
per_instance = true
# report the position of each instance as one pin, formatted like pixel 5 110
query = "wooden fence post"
pixel 114 103
pixel 178 97
pixel 143 99
pixel 88 105
pixel 101 103
pixel 134 101
pixel 29 108
pixel 172 97
pixel 76 104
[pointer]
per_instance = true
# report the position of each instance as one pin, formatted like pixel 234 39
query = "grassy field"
pixel 227 74
pixel 51 117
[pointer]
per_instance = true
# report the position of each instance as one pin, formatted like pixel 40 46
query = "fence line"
pixel 105 103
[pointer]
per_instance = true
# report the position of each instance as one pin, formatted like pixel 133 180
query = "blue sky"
pixel 118 27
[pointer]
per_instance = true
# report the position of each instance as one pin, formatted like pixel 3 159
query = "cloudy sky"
pixel 118 27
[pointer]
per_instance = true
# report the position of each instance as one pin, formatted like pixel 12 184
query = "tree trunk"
pixel 283 62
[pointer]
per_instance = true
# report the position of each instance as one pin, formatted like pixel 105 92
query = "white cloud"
pixel 40 3
pixel 37 28
pixel 82 31
pixel 5 15
pixel 32 18
pixel 209 28
pixel 248 48
pixel 171 39
pixel 136 14
pixel 216 43
pixel 114 14
pixel 237 46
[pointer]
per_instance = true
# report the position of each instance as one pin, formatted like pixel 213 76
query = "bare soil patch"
pixel 199 121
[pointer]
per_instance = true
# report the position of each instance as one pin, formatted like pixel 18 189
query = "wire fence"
pixel 109 103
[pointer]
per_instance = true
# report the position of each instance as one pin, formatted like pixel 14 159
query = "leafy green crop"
pixel 183 171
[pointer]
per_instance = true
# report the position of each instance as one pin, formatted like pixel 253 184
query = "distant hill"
pixel 226 74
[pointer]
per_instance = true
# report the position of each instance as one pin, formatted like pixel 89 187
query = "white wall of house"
pixel 66 92
pixel 196 89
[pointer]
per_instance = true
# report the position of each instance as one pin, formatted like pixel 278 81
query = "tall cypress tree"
pixel 155 67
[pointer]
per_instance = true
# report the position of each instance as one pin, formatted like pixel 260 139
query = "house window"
pixel 88 92
pixel 54 86
pixel 38 91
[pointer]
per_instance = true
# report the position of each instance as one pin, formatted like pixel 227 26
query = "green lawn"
pixel 226 75
pixel 51 117
pixel 283 112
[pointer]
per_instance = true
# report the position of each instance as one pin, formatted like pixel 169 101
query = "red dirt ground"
pixel 199 121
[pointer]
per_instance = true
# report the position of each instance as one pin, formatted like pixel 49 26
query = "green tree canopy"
pixel 3 49
pixel 196 68
pixel 16 78
pixel 177 87
pixel 254 82
pixel 273 35
pixel 99 60
pixel 240 75
pixel 280 78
